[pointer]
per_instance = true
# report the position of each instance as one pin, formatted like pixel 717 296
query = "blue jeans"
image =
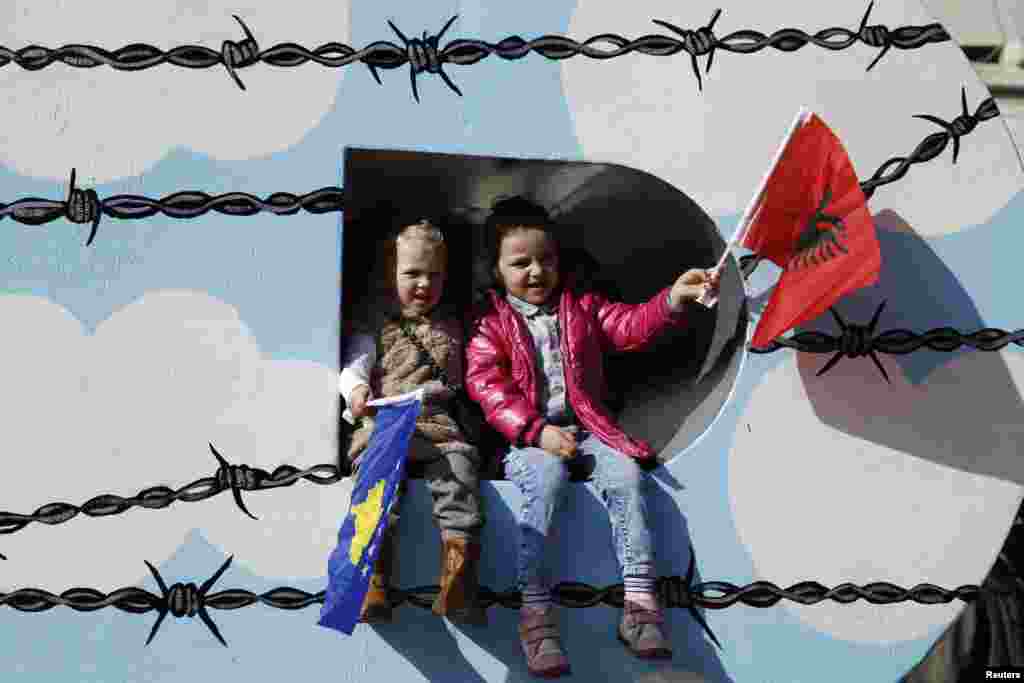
pixel 542 479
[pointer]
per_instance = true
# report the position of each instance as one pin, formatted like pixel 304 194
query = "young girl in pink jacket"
pixel 535 366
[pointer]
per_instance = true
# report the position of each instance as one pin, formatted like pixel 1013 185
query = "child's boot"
pixel 542 644
pixel 641 632
pixel 376 606
pixel 460 558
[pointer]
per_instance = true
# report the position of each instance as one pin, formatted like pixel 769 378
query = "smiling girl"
pixel 535 366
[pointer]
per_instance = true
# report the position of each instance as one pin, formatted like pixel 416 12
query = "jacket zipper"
pixel 563 344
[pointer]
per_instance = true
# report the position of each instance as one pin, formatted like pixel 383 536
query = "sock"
pixel 536 598
pixel 640 590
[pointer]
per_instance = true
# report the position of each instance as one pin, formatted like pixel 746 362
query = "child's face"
pixel 528 265
pixel 420 268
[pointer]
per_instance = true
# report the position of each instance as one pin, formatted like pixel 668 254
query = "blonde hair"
pixel 424 231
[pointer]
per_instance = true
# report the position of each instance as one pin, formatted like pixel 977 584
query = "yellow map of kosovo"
pixel 365 515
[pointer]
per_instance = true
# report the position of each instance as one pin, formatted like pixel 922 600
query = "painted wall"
pixel 121 361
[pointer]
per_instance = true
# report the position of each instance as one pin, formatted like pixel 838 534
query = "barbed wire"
pixel 425 55
pixel 236 478
pixel 185 599
pixel 675 592
pixel 855 341
pixel 84 206
pixel 933 145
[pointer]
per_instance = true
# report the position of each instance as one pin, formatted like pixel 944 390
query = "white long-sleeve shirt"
pixel 360 355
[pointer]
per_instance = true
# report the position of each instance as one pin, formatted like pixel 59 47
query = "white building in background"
pixel 991 32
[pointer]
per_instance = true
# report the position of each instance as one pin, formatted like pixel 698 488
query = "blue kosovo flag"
pixel 381 469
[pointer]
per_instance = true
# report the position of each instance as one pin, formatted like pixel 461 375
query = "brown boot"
pixel 457 600
pixel 376 606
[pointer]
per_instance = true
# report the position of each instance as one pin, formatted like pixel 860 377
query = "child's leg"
pixel 542 479
pixel 621 484
pixel 454 486
pixel 376 605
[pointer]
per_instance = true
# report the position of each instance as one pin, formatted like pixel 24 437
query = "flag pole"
pixel 755 202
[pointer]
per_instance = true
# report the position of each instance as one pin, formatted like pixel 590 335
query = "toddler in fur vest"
pixel 420 347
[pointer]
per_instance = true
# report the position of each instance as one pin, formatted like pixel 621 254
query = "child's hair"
pixel 507 216
pixel 422 230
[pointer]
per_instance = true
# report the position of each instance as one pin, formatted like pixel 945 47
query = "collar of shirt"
pixel 529 310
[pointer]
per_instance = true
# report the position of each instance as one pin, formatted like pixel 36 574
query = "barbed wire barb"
pixel 423 57
pixel 237 55
pixel 227 476
pixel 697 42
pixel 960 126
pixel 855 341
pixel 875 36
pixel 185 600
pixel 83 207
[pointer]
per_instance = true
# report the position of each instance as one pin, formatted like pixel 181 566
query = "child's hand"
pixel 558 441
pixel 692 284
pixel 358 407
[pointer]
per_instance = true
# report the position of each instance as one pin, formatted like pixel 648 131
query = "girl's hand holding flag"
pixel 360 397
pixel 696 284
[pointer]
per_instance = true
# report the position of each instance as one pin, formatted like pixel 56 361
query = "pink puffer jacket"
pixel 501 374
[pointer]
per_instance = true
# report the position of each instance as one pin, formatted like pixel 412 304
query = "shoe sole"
pixel 656 653
pixel 556 672
pixel 374 617
pixel 550 673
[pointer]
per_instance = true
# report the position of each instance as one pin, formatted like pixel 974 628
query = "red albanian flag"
pixel 812 220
